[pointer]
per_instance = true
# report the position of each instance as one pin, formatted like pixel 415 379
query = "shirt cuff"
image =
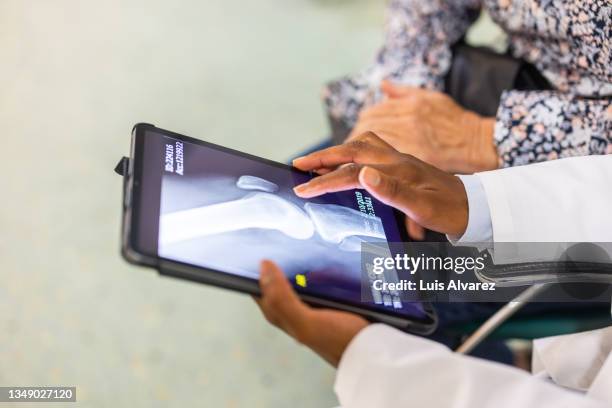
pixel 480 227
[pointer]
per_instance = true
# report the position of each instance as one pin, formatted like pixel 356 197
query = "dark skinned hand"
pixel 427 195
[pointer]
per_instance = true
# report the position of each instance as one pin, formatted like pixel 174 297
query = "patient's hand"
pixel 326 332
pixel 431 197
pixel 432 127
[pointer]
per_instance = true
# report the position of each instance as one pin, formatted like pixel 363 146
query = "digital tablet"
pixel 210 214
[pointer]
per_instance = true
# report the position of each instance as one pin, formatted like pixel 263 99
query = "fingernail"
pixel 301 188
pixel 297 159
pixel 370 176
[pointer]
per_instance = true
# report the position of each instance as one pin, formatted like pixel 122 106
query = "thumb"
pixel 395 91
pixel 279 303
pixel 385 188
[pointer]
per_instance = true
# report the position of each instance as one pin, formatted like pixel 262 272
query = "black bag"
pixel 478 76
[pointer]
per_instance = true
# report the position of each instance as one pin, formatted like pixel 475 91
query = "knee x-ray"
pixel 228 212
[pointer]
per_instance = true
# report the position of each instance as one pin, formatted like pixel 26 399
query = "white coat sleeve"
pixel 584 370
pixel 385 367
pixel 566 200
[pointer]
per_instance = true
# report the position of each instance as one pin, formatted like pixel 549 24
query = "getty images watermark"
pixel 441 272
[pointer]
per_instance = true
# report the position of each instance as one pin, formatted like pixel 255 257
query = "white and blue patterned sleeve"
pixel 537 126
pixel 416 51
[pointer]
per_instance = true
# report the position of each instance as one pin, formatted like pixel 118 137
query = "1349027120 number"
pixel 16 394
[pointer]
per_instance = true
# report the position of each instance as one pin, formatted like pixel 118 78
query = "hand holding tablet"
pixel 327 332
pixel 210 214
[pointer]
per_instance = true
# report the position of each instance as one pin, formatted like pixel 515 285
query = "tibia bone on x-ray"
pixel 335 223
pixel 256 210
pixel 256 183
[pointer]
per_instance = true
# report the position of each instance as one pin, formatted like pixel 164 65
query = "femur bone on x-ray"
pixel 261 208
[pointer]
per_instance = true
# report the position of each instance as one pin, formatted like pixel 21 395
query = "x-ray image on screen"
pixel 227 212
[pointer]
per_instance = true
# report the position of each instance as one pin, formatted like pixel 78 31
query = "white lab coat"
pixel 565 200
pixel 383 367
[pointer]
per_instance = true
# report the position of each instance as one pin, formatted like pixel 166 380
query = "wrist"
pixel 482 152
pixel 460 209
pixel 485 144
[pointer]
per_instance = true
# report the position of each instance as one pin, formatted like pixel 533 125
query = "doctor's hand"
pixel 327 332
pixel 432 127
pixel 430 197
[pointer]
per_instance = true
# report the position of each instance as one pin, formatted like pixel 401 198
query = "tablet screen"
pixel 225 210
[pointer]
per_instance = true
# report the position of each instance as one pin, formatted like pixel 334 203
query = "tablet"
pixel 210 214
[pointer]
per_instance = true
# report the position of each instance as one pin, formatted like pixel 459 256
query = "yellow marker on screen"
pixel 300 280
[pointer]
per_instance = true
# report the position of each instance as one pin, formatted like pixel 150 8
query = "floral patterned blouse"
pixel 569 41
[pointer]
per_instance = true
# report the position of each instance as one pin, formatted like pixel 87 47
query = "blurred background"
pixel 75 76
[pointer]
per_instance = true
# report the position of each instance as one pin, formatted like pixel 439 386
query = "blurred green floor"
pixel 74 77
